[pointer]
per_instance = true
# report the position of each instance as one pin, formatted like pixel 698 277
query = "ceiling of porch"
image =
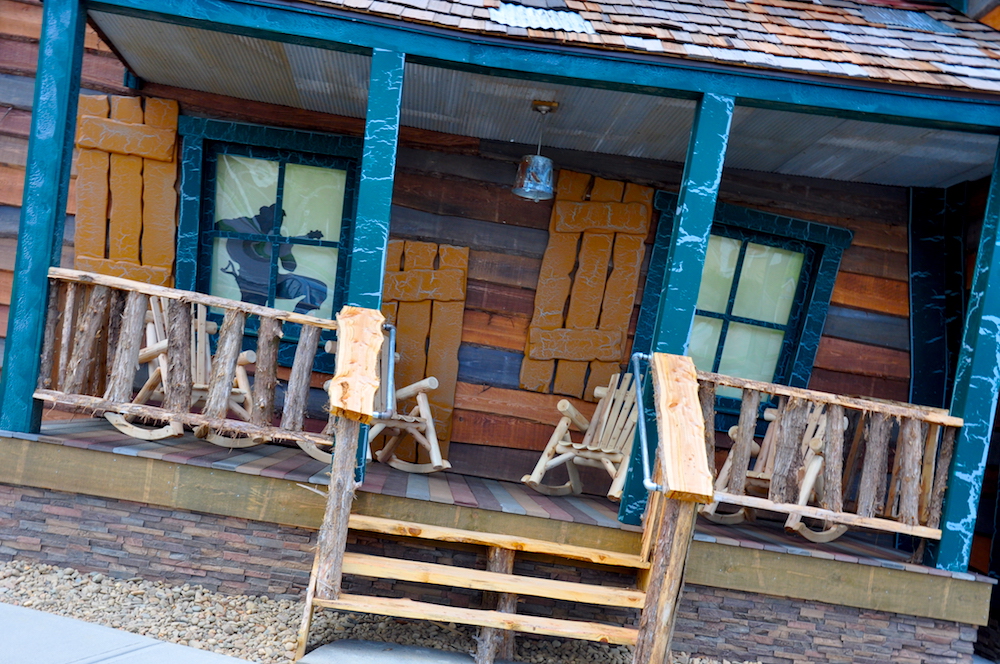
pixel 588 119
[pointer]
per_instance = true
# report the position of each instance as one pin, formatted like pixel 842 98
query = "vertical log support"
pixel 126 359
pixel 497 643
pixel 177 382
pixel 352 401
pixel 266 374
pixel 685 262
pixel 43 210
pixel 682 472
pixel 974 398
pixel 298 382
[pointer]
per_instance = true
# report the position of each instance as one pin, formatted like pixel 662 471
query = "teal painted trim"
pixel 685 261
pixel 43 211
pixel 331 28
pixel 189 212
pixel 366 269
pixel 270 137
pixel 975 396
pixel 958 5
pixel 378 166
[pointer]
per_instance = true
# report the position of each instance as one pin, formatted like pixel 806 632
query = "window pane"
pixel 240 270
pixel 767 283
pixel 751 352
pixel 704 342
pixel 313 202
pixel 245 190
pixel 306 278
pixel 717 278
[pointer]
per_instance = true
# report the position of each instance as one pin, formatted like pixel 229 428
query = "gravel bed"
pixel 253 628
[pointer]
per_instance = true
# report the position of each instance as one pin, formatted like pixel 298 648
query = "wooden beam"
pixel 407 608
pixel 359 340
pixel 463 577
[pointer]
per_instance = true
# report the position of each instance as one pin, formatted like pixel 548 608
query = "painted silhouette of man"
pixel 250 264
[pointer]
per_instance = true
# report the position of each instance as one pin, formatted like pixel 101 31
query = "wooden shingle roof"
pixel 888 41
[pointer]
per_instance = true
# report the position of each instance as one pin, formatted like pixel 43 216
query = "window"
pixel 764 293
pixel 266 217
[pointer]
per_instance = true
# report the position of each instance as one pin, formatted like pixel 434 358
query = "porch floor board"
pixel 451 488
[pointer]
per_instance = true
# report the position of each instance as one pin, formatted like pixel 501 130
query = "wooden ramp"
pixel 683 477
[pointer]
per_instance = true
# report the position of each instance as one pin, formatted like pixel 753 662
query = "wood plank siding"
pixel 456 190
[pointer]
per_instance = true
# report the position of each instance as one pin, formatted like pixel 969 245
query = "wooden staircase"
pixel 499 580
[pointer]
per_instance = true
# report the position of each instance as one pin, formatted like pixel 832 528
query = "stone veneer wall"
pixel 232 555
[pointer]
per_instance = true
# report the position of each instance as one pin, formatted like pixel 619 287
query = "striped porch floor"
pixel 451 488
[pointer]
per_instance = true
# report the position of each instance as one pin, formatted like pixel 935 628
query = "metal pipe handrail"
pixel 647 475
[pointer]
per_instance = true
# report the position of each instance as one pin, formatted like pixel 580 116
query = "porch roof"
pixel 892 42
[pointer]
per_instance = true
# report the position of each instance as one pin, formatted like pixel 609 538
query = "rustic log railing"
pixel 96 338
pixel 846 461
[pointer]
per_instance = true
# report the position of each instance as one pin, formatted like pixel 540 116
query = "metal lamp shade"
pixel 534 178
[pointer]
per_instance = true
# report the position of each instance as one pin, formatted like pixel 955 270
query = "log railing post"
pixel 352 400
pixel 683 476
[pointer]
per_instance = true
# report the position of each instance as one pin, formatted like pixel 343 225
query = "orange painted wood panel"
pixel 574 217
pixel 578 345
pixel 495 330
pixel 442 363
pixel 532 406
pixel 419 255
pixel 554 280
pixel 95 105
pixel 452 257
pixel 389 310
pixel 394 255
pixel 623 282
pixel 572 186
pixel 636 193
pixel 149 274
pixel 587 293
pixel 570 378
pixel 856 358
pixel 125 214
pixel 600 376
pixel 159 198
pixel 425 284
pixel 90 231
pixel 536 375
pixel 862 291
pixel 607 190
pixel 126 109
pixel 126 138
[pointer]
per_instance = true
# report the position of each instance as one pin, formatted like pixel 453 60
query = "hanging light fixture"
pixel 534 173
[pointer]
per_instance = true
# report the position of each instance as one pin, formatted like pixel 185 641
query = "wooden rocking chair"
pixel 810 474
pixel 154 356
pixel 607 442
pixel 419 423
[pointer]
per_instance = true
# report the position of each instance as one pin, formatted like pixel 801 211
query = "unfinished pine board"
pixel 462 577
pixel 387 526
pixel 681 428
pixel 407 608
pixel 359 340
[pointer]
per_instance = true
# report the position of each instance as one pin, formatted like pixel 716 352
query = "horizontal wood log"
pixel 540 408
pixel 876 263
pixel 81 403
pixel 77 276
pixel 868 327
pixel 386 526
pixel 24 20
pixel 497 298
pixel 505 269
pixel 407 608
pixel 462 577
pixel 100 71
pixel 498 431
pixel 861 359
pixel 845 518
pixel 925 414
pixel 872 294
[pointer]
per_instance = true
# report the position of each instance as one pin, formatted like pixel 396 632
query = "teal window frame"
pixel 823 245
pixel 202 140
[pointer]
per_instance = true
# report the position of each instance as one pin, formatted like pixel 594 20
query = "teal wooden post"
pixel 43 209
pixel 686 260
pixel 366 269
pixel 974 399
pixel 378 166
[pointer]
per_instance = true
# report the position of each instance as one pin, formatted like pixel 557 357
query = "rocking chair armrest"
pixel 575 416
pixel 425 385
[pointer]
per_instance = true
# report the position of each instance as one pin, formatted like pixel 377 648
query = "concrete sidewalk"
pixel 35 637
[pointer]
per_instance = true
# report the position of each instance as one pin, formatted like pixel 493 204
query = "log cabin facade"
pixel 891 166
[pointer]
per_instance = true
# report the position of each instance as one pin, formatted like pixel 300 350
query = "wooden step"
pixel 443 534
pixel 463 577
pixel 408 608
